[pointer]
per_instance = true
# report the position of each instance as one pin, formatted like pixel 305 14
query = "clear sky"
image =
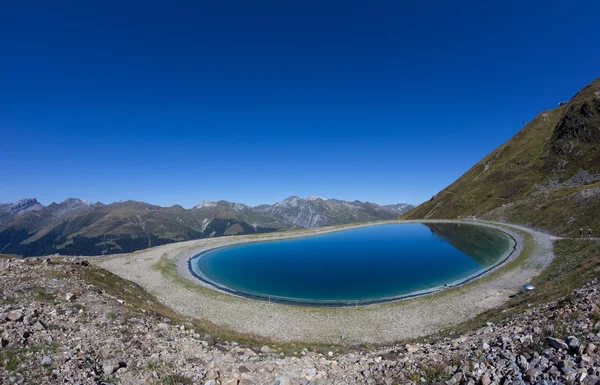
pixel 253 101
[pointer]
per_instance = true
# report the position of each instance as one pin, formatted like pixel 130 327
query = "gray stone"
pixel 591 380
pixel 284 381
pixel 265 349
pixel 572 342
pixel 558 344
pixel 590 348
pixel 109 367
pixel 70 296
pixel 46 361
pixel 40 325
pixel 485 380
pixel 210 340
pixel 15 316
pixel 311 372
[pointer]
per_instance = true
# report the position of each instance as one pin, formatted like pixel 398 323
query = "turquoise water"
pixel 369 264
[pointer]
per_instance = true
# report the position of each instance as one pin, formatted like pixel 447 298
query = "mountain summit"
pixel 546 176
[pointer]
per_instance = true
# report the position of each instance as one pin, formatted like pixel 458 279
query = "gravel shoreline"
pixel 377 323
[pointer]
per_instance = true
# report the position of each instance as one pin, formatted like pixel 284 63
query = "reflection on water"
pixel 483 244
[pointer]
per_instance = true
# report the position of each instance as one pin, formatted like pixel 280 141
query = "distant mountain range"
pixel 546 176
pixel 78 227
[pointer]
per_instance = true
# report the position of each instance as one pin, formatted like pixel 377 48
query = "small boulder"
pixel 40 325
pixel 284 381
pixel 572 342
pixel 46 361
pixel 15 316
pixel 243 369
pixel 109 367
pixel 590 348
pixel 210 340
pixel 70 297
pixel 265 349
pixel 558 344
pixel 485 380
pixel 591 380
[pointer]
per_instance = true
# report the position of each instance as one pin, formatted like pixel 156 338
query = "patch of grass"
pixel 43 296
pixel 64 245
pixel 168 269
pixel 10 361
pixel 176 379
pixel 434 372
pixel 59 275
pixel 44 348
pixel 575 263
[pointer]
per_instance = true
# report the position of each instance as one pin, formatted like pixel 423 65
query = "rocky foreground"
pixel 57 328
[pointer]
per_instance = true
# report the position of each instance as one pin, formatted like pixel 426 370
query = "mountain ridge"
pixel 78 227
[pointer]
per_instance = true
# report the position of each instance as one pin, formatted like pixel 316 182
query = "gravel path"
pixel 378 323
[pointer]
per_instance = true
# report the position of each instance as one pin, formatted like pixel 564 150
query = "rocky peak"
pixel 68 205
pixel 24 205
pixel 205 203
pixel 75 202
pixel 292 201
pixel 221 204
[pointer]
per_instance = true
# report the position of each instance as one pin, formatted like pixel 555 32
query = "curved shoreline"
pixel 163 271
pixel 339 303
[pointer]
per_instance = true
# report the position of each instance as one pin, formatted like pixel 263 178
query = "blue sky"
pixel 176 102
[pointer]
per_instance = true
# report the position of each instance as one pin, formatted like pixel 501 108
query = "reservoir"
pixel 356 266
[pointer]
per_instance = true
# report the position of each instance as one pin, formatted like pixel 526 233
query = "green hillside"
pixel 546 176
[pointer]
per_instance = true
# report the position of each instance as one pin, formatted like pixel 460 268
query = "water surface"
pixel 363 265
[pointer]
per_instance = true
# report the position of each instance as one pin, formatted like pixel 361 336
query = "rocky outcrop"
pixel 11 210
pixel 57 328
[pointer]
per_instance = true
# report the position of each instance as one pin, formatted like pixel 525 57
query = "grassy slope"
pixel 510 183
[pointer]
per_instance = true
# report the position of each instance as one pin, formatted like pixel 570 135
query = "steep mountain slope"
pixel 76 227
pixel 546 176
